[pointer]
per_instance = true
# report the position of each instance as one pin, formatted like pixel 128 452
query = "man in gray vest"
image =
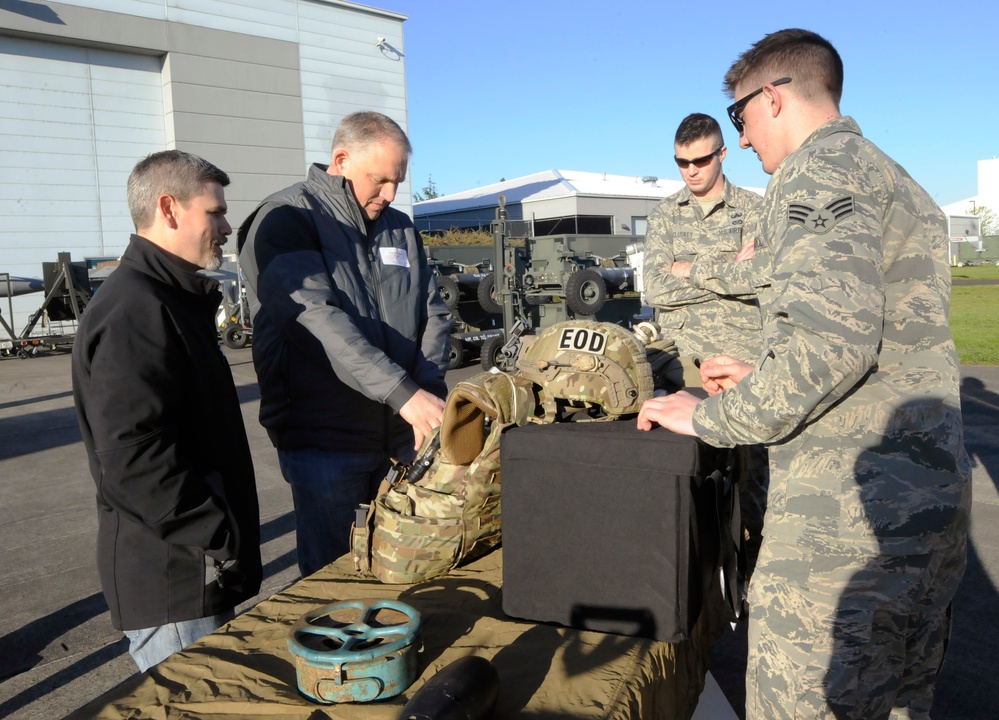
pixel 350 338
pixel 857 396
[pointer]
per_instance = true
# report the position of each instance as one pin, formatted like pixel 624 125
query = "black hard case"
pixel 610 528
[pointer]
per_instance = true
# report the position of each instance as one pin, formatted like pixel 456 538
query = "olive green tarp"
pixel 245 670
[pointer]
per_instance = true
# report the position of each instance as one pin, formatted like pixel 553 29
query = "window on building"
pixel 575 225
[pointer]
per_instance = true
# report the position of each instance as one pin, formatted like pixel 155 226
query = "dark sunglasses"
pixel 700 162
pixel 736 109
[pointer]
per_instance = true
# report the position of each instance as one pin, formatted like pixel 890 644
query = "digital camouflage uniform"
pixel 858 393
pixel 743 278
pixel 715 312
pixel 703 323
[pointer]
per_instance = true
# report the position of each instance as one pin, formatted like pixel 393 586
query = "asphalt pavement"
pixel 58 649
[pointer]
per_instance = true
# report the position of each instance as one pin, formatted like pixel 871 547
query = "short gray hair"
pixel 366 127
pixel 170 172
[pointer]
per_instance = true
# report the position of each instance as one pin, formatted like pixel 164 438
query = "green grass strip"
pixel 974 322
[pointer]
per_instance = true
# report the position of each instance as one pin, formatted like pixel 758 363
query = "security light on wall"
pixel 387 50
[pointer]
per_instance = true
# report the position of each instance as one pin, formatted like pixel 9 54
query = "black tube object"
pixel 466 689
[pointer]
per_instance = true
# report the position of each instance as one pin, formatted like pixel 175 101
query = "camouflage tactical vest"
pixel 417 530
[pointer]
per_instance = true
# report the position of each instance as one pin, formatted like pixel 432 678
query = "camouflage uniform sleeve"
pixel 663 290
pixel 737 279
pixel 823 323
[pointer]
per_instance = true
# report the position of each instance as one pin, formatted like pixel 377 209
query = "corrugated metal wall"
pixel 255 86
pixel 73 121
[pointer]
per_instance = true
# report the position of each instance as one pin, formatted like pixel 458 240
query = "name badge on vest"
pixel 394 256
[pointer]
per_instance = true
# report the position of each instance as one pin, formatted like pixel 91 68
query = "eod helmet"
pixel 586 365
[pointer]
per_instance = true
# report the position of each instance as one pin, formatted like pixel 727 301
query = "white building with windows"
pixel 89 87
pixel 553 202
pixel 556 202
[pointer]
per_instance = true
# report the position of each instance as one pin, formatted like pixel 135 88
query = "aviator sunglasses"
pixel 699 162
pixel 736 109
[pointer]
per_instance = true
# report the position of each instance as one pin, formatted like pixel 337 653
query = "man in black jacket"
pixel 350 338
pixel 178 543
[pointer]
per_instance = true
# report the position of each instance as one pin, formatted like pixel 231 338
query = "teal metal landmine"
pixel 358 659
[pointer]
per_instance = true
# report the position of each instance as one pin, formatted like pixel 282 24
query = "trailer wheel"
pixel 585 292
pixel 486 294
pixel 456 354
pixel 489 356
pixel 447 289
pixel 235 336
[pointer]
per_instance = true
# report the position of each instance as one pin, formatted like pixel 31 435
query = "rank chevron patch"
pixel 821 220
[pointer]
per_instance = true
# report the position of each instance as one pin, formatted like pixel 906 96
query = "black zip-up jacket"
pixel 347 322
pixel 167 447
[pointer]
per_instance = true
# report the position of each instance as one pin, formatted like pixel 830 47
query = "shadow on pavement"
pixel 34 432
pixel 967 688
pixel 20 650
pixel 80 668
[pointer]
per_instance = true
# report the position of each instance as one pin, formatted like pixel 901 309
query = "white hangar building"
pixel 554 202
pixel 89 87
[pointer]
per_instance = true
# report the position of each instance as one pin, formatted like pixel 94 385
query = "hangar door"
pixel 73 123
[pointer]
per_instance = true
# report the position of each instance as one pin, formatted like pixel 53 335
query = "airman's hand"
pixel 747 252
pixel 674 412
pixel 680 269
pixel 722 372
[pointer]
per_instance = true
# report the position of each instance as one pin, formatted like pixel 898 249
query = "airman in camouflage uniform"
pixel 857 394
pixel 705 300
pixel 701 224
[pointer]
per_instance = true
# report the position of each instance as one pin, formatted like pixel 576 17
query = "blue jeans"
pixel 151 645
pixel 327 486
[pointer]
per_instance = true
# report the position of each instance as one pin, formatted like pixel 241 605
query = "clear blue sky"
pixel 504 89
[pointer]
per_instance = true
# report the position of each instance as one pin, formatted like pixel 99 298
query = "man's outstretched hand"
pixel 424 412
